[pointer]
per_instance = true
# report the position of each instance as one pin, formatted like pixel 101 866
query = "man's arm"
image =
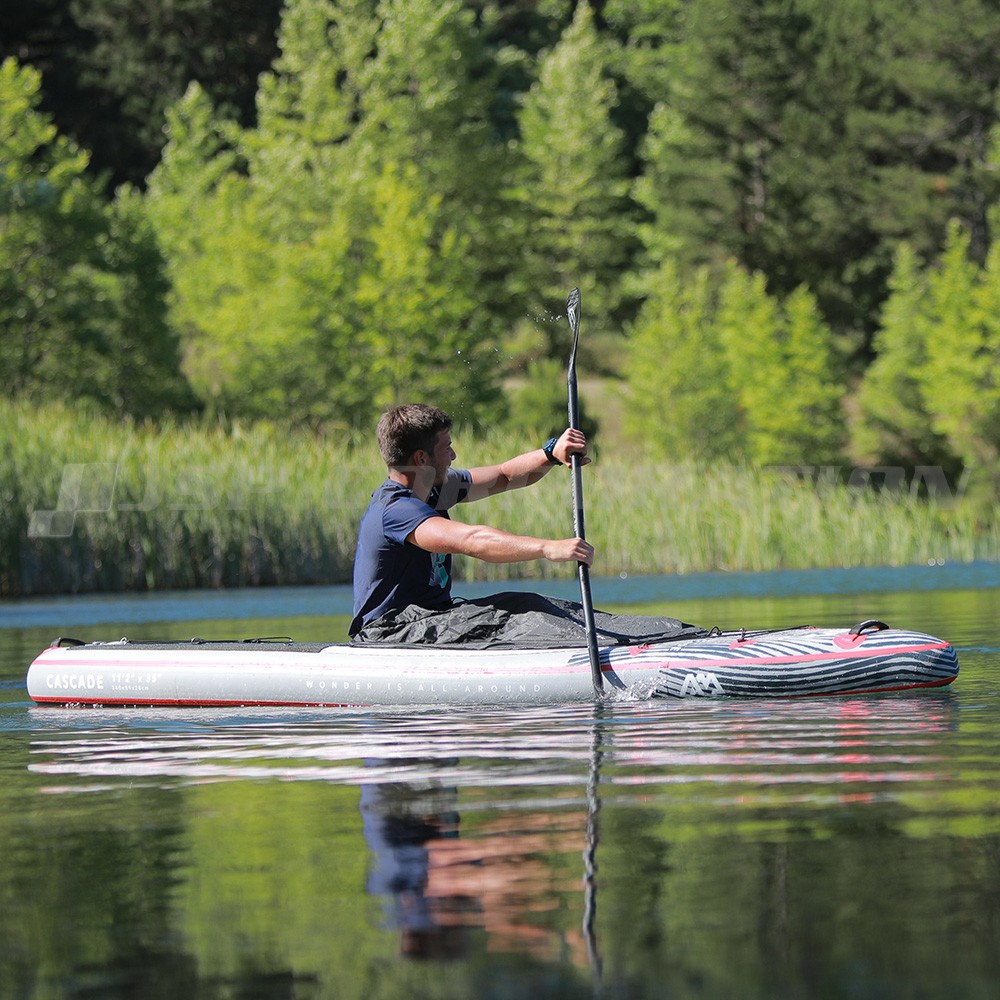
pixel 439 534
pixel 526 469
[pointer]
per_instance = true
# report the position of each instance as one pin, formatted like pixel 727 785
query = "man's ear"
pixel 420 458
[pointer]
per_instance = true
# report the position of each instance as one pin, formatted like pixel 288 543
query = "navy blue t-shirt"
pixel 388 572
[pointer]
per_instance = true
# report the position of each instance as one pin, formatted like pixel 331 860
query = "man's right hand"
pixel 569 550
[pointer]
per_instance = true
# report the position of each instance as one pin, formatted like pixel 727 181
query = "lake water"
pixel 820 848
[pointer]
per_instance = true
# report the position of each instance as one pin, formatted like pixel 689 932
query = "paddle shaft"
pixel 579 527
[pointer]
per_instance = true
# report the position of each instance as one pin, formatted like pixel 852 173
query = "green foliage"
pixel 934 80
pixel 418 300
pixel 894 425
pixel 50 214
pixel 137 369
pixel 961 378
pixel 678 374
pixel 417 175
pixel 933 393
pixel 314 277
pixel 782 373
pixel 427 91
pixel 308 106
pixel 112 67
pixel 81 281
pixel 538 404
pixel 719 368
pixel 572 188
pixel 805 139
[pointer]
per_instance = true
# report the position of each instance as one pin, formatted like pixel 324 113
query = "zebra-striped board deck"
pixel 806 661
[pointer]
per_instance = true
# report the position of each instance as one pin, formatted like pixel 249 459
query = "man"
pixel 406 539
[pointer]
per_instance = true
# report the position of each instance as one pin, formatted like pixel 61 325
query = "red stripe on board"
pixel 944 682
pixel 183 703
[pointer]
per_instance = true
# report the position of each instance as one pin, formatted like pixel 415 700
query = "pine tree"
pixel 309 106
pixel 806 417
pixel 572 192
pixel 427 99
pixel 744 156
pixel 894 424
pixel 960 381
pixel 926 134
pixel 677 373
pixel 782 373
pixel 806 139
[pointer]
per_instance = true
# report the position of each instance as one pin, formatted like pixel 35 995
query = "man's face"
pixel 442 456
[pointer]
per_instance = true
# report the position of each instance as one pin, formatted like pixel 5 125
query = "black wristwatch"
pixel 548 448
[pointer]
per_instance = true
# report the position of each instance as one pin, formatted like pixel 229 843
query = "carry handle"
pixel 869 625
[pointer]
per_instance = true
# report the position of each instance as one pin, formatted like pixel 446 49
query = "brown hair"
pixel 409 428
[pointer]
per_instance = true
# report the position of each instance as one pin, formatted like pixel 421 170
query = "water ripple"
pixel 739 749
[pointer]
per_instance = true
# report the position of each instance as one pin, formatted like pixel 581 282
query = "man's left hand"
pixel 571 442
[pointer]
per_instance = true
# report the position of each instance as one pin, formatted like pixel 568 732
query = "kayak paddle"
pixel 573 314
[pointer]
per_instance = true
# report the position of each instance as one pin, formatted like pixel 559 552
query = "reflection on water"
pixel 525 833
pixel 437 884
pixel 811 744
pixel 408 828
pixel 811 848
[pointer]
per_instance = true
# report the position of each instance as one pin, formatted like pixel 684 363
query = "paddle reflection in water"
pixel 590 854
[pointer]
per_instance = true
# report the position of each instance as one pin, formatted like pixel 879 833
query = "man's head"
pixel 409 428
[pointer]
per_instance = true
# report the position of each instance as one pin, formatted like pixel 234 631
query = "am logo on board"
pixel 700 684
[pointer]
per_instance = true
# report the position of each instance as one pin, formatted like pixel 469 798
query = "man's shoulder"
pixel 454 490
pixel 389 488
pixel 391 492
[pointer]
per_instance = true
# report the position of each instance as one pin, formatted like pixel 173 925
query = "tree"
pixel 426 101
pixel 927 135
pixel 806 139
pixel 417 298
pixel 894 424
pixel 745 158
pixel 960 380
pixel 81 282
pixel 309 105
pixel 112 67
pixel 137 368
pixel 782 373
pixel 677 372
pixel 313 275
pixel 718 368
pixel 571 198
pixel 932 396
pixel 257 296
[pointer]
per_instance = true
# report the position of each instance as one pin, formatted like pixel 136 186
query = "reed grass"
pixel 144 507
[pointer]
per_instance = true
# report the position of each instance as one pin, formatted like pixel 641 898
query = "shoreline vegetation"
pixel 94 504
